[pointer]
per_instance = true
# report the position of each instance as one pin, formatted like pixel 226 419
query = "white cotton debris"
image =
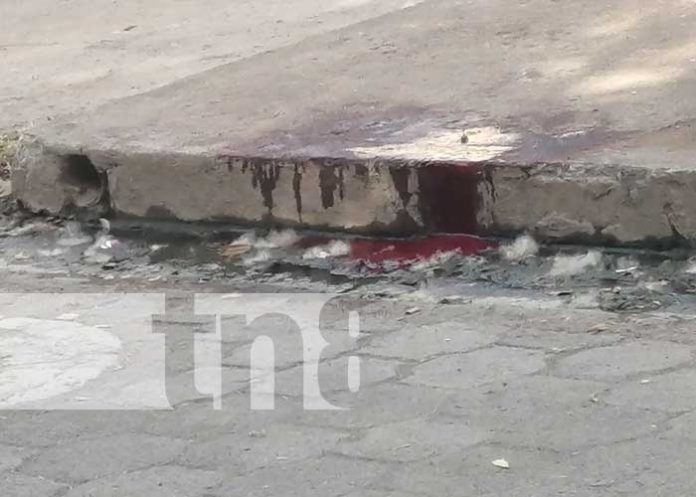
pixel 501 463
pixel 100 250
pixel 436 260
pixel 654 286
pixel 691 267
pixel 50 253
pixel 105 225
pixel 570 265
pixel 257 258
pixel 72 235
pixel 248 238
pixel 336 248
pixel 522 248
pixel 627 265
pixel 278 239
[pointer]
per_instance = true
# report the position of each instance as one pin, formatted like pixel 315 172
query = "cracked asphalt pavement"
pixel 498 392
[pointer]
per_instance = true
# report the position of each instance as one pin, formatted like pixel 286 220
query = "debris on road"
pixel 72 235
pixel 235 250
pixel 8 146
pixel 598 328
pixel 624 282
pixel 336 248
pixel 522 248
pixel 632 299
pixel 501 463
pixel 260 257
pixel 571 265
pixel 278 239
pixel 455 300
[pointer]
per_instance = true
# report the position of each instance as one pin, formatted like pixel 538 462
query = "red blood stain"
pixel 413 249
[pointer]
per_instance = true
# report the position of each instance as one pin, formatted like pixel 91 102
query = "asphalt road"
pixel 494 393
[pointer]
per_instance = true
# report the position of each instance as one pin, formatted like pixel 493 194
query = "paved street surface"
pixel 575 400
pixel 126 366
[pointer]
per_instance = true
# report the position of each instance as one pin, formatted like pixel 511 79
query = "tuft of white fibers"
pixel 278 239
pixel 248 238
pixel 72 235
pixel 691 267
pixel 571 265
pixel 336 248
pixel 522 248
pixel 435 260
pixel 260 256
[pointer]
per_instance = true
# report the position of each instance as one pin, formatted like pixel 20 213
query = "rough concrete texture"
pixel 102 356
pixel 71 57
pixel 579 125
pixel 572 412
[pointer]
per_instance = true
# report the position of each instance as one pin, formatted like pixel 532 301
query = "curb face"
pixel 360 196
pixel 627 206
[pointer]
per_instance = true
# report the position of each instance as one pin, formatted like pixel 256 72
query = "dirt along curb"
pixel 7 153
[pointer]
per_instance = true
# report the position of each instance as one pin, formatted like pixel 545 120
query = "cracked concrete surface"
pixel 576 124
pixel 446 390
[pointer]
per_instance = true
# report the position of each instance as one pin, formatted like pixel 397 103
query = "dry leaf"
pixel 234 250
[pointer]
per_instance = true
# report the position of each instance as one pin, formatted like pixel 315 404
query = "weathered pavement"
pixel 578 121
pixel 577 401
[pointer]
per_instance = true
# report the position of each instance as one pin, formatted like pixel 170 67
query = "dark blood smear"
pixel 448 197
pixel 377 251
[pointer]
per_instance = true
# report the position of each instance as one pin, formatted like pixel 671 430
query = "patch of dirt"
pixel 7 151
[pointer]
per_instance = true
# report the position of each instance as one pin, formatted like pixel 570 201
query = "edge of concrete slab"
pixel 575 203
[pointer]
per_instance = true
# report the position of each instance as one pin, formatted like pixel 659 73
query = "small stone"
pixel 455 300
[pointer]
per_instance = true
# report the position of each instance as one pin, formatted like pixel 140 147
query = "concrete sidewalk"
pixel 574 122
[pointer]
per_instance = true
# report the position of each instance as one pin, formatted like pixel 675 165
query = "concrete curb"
pixel 554 202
